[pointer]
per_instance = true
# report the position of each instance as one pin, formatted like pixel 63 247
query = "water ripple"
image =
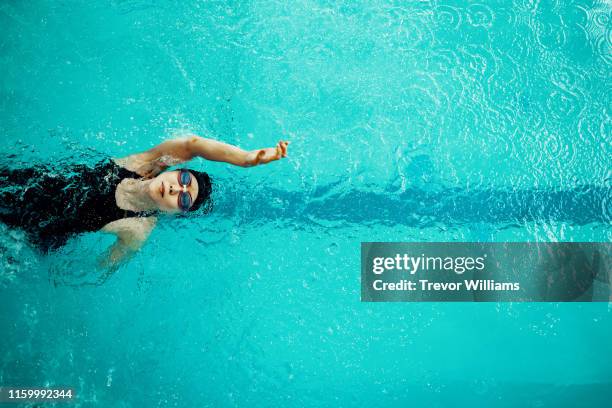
pixel 447 16
pixel 480 15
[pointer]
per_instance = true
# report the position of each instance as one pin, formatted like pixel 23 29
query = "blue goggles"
pixel 184 198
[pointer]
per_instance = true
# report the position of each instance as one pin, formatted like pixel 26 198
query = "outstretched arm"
pixel 173 152
pixel 223 152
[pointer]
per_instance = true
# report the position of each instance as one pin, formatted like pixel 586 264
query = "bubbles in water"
pixel 109 377
pixel 332 249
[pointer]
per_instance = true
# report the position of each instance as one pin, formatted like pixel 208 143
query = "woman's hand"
pixel 263 156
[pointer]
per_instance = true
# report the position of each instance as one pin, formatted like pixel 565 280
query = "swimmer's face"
pixel 166 190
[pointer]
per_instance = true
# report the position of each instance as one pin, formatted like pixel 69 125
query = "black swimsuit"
pixel 51 207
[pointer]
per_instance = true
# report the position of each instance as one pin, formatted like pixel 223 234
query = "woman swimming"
pixel 119 196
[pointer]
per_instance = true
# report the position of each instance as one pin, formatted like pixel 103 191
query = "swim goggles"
pixel 184 198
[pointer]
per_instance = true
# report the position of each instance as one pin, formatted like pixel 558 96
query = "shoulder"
pixel 130 163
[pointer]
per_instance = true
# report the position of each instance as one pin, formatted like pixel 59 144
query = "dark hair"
pixel 204 190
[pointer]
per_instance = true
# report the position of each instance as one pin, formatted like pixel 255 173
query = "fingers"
pixel 279 151
pixel 271 153
pixel 282 144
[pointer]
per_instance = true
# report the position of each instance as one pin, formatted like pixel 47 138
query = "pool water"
pixel 408 121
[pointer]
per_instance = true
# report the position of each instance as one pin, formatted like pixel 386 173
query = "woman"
pixel 118 196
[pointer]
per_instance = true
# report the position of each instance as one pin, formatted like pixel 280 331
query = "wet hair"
pixel 204 190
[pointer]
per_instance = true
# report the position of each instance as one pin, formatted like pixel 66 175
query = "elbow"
pixel 193 139
pixel 190 146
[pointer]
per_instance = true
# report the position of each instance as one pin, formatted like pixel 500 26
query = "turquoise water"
pixel 409 121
